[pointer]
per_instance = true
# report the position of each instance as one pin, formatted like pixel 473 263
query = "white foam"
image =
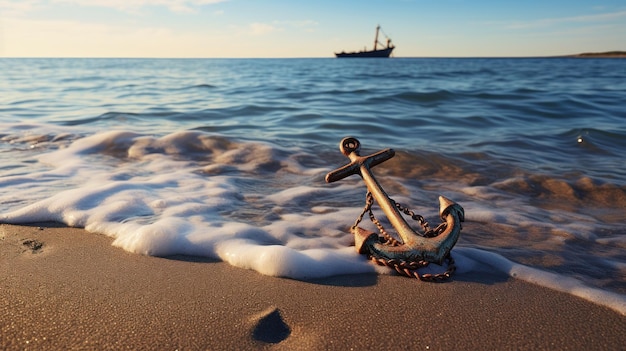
pixel 282 261
pixel 132 187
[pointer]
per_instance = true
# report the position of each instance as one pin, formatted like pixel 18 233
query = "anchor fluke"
pixel 363 240
pixel 446 205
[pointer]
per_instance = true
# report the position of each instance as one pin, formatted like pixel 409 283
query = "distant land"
pixel 608 54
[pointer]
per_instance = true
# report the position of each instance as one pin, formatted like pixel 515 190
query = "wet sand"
pixel 64 288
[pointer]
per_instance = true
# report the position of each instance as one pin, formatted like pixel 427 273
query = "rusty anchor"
pixel 414 250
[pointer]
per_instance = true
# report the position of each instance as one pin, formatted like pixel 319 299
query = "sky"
pixel 314 28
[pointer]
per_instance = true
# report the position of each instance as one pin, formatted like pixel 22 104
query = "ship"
pixel 376 52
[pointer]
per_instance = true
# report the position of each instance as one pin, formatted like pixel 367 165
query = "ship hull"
pixel 366 54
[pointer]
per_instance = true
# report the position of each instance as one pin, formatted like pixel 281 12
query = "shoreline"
pixel 65 288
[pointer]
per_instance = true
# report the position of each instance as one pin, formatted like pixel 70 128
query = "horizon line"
pixel 613 53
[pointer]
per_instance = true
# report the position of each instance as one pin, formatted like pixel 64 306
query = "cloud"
pixel 72 38
pixel 134 5
pixel 22 6
pixel 546 22
pixel 301 23
pixel 18 6
pixel 51 38
pixel 258 29
pixel 307 25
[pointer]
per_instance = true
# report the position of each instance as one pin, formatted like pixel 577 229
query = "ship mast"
pixel 376 38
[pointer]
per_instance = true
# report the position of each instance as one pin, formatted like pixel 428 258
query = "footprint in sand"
pixel 34 245
pixel 270 327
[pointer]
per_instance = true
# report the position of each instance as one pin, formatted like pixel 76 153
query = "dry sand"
pixel 64 288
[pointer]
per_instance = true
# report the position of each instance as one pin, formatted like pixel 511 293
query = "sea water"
pixel 226 158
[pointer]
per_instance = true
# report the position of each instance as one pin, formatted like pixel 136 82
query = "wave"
pixel 199 87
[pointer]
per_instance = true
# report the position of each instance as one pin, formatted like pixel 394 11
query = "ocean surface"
pixel 226 158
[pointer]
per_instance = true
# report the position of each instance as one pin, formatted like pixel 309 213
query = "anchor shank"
pixel 388 207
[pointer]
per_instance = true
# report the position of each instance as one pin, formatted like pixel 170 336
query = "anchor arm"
pixel 407 234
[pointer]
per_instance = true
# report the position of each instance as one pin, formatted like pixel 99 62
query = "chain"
pixel 387 239
pixel 369 200
pixel 428 232
pixel 407 268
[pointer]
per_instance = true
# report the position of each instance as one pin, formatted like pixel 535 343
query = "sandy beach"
pixel 64 288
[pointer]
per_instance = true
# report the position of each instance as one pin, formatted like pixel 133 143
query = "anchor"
pixel 414 250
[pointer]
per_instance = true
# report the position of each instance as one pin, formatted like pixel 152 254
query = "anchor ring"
pixel 349 145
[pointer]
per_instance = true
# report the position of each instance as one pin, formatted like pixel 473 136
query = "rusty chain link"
pixel 409 269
